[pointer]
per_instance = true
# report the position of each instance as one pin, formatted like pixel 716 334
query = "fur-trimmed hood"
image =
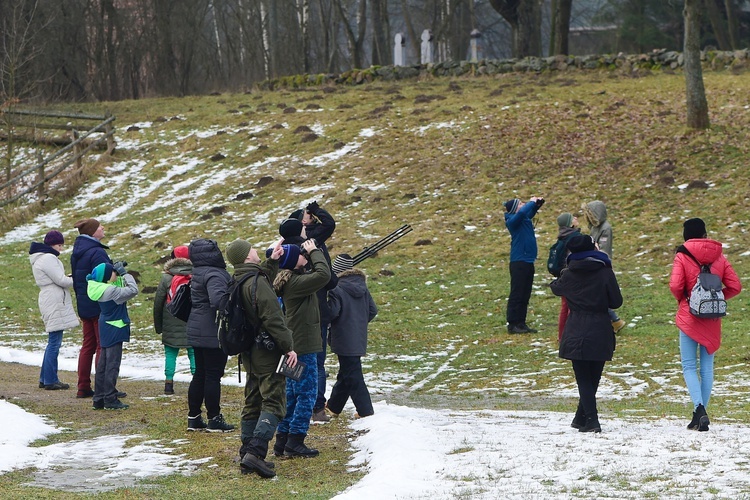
pixel 352 272
pixel 353 282
pixel 179 266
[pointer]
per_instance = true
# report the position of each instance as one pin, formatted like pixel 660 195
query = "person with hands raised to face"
pixel 319 225
pixel 111 289
pixel 265 403
pixel 523 253
pixel 298 289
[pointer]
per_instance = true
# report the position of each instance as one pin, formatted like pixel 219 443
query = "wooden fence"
pixel 68 159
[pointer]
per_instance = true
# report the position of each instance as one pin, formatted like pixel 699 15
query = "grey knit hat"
pixel 237 251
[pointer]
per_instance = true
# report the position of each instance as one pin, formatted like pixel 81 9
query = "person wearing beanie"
pixel 55 303
pixel 693 228
pixel 111 286
pixel 342 263
pixel 523 253
pixel 567 229
pixel 352 309
pixel 590 288
pixel 600 229
pixel 173 331
pixel 208 282
pixel 298 291
pixel 265 391
pixel 292 228
pixel 319 225
pixel 700 338
pixel 88 252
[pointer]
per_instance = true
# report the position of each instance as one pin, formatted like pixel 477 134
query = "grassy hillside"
pixel 441 155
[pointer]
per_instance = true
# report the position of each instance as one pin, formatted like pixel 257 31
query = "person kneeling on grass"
pixel 111 286
pixel 352 308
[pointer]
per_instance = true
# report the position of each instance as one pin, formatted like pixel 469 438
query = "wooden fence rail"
pixel 77 148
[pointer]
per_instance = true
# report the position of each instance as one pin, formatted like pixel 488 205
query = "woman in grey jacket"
pixel 352 308
pixel 55 303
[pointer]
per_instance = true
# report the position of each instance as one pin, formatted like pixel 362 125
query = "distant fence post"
pixel 77 151
pixel 110 135
pixel 40 175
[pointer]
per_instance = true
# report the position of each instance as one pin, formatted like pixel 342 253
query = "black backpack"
pixel 179 298
pixel 556 259
pixel 236 331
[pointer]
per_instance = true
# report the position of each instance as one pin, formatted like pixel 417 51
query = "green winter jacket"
pixel 297 289
pixel 263 361
pixel 173 331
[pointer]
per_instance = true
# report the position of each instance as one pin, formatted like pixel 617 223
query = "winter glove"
pixel 119 267
pixel 313 207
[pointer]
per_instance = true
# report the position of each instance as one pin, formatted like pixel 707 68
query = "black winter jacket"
pixel 590 288
pixel 209 282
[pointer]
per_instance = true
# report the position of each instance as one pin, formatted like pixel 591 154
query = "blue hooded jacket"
pixel 523 246
pixel 87 253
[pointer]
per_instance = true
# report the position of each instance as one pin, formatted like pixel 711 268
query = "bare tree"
pixel 560 12
pixel 525 19
pixel 697 106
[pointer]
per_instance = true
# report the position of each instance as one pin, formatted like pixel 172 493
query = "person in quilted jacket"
pixel 700 338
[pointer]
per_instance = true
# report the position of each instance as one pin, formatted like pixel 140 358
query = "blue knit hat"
pixel 512 205
pixel 290 257
pixel 101 273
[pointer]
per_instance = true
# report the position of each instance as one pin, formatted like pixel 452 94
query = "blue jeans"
pixel 300 398
pixel 699 389
pixel 48 374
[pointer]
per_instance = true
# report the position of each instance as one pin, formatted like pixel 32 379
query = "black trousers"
pixel 206 383
pixel 350 383
pixel 588 374
pixel 521 280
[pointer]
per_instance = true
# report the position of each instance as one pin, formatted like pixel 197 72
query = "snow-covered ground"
pixel 420 453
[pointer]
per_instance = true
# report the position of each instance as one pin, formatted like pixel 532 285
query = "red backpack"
pixel 179 300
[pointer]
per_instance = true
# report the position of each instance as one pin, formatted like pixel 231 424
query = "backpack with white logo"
pixel 706 298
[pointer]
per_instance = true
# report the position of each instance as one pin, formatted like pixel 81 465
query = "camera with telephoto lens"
pixel 264 341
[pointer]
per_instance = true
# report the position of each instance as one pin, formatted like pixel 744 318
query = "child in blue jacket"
pixel 111 286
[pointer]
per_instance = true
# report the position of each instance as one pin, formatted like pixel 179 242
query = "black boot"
pixel 251 463
pixel 693 425
pixel 592 425
pixel 278 447
pixel 580 418
pixel 295 447
pixel 702 418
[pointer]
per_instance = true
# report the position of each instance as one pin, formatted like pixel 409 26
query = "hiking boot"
pixel 169 388
pixel 217 424
pixel 56 386
pixel 579 420
pixel 295 447
pixel 116 405
pixel 333 413
pixel 87 393
pixel 196 423
pixel 702 418
pixel 618 325
pixel 320 417
pixel 527 329
pixel 98 405
pixel 250 463
pixel 517 329
pixel 278 447
pixel 592 425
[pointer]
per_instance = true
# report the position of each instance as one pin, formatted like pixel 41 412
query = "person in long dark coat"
pixel 590 288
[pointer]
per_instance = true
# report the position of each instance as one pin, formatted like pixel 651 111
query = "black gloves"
pixel 119 267
pixel 313 207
